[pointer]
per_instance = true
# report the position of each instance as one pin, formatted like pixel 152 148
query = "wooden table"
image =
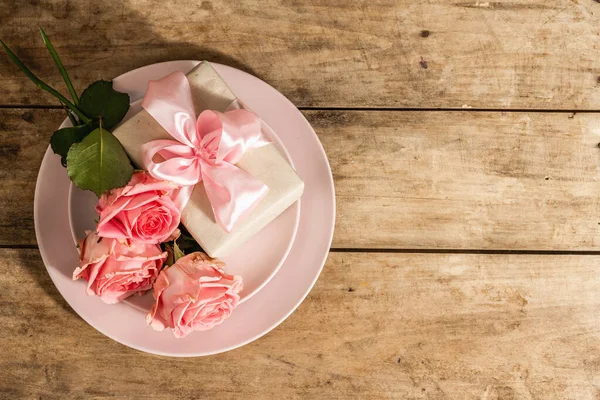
pixel 463 138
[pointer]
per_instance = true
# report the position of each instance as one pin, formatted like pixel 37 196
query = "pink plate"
pixel 269 306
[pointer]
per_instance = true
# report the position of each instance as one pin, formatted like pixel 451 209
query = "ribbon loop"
pixel 205 150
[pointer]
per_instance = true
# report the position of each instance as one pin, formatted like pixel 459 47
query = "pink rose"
pixel 114 270
pixel 142 211
pixel 194 294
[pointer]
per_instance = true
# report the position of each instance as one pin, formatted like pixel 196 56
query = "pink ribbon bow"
pixel 203 150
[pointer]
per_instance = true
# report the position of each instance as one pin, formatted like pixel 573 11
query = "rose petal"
pixel 115 270
pixel 193 294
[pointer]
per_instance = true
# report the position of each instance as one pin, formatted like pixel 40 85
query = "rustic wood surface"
pixel 329 53
pixel 452 180
pixel 405 326
pixel 419 298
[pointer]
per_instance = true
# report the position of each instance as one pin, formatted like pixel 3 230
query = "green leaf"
pixel 62 140
pixel 60 66
pixel 100 100
pixel 99 163
pixel 170 257
pixel 177 253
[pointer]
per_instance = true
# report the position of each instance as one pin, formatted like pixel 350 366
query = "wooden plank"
pixel 464 180
pixel 455 180
pixel 406 326
pixel 24 137
pixel 388 53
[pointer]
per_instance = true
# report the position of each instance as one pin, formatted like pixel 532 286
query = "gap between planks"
pixel 412 251
pixel 408 109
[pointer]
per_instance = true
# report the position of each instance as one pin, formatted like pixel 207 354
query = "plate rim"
pixel 272 324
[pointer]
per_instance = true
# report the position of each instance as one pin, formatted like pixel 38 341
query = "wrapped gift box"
pixel 210 92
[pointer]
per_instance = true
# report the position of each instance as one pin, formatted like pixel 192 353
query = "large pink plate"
pixel 268 307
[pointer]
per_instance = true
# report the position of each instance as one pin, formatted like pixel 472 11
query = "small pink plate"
pixel 268 306
pixel 256 261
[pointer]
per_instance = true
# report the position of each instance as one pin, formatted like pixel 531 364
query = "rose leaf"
pixel 62 140
pixel 177 253
pixel 101 101
pixel 99 162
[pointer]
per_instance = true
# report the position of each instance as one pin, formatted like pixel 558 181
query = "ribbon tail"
pixel 233 193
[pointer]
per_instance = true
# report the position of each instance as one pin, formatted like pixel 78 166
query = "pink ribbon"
pixel 204 150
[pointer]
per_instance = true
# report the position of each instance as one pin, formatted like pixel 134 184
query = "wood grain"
pixel 24 137
pixel 376 326
pixel 464 180
pixel 388 53
pixel 406 180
